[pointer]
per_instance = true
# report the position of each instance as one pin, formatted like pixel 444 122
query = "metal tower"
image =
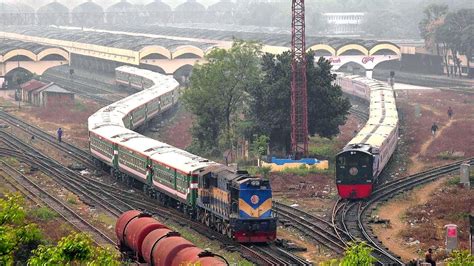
pixel 299 94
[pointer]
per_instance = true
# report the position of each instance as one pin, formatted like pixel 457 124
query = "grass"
pixel 323 148
pixel 43 213
pixel 447 155
pixel 304 171
pixel 71 199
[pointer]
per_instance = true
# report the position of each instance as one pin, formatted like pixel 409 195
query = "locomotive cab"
pixel 354 172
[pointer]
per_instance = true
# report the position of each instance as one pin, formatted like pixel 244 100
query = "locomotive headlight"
pixel 353 171
pixel 255 183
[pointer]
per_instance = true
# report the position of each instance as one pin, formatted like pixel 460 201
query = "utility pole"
pixel 299 94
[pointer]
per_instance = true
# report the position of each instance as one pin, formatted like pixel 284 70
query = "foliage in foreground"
pixel 461 258
pixel 357 253
pixel 73 249
pixel 17 238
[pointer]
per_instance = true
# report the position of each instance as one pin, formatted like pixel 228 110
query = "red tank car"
pixel 148 240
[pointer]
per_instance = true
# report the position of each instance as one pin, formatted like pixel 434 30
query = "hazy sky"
pixel 104 3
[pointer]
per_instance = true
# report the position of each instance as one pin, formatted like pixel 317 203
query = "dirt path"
pixel 395 211
pixel 417 165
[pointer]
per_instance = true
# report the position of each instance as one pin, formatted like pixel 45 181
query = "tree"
pixel 270 105
pixel 433 17
pixel 461 258
pixel 358 254
pixel 73 249
pixel 217 93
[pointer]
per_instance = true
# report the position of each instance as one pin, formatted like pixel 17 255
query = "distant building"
pixel 46 95
pixel 344 23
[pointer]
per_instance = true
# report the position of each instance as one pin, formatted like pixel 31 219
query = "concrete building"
pixel 344 23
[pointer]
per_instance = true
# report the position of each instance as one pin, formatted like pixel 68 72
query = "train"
pixel 146 239
pixel 361 161
pixel 231 202
pixel 130 77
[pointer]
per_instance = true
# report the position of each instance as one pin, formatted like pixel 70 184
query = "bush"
pixel 43 213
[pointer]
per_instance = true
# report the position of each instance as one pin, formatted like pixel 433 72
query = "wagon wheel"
pixel 207 220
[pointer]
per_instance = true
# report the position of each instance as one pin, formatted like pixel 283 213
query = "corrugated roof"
pixel 32 85
pixel 56 88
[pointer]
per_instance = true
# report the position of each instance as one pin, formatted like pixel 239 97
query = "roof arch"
pixel 158 6
pixel 16 52
pixel 352 46
pixel 187 49
pixel 155 49
pixel 325 47
pixel 51 51
pixel 190 6
pixel 385 46
pixel 53 7
pixel 89 7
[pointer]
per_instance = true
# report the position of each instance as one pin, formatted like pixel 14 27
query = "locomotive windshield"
pixel 353 167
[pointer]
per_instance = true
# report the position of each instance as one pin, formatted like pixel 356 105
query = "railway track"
pixel 37 194
pixel 80 155
pixel 115 200
pixel 351 215
pixel 83 89
pixel 318 229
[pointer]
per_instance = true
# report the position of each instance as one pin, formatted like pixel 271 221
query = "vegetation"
pixel 75 249
pixel 357 253
pixel 242 94
pixel 449 32
pixel 461 258
pixel 22 242
pixel 17 238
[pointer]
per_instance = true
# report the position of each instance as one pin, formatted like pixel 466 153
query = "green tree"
pixel 433 17
pixel 461 258
pixel 217 93
pixel 260 145
pixel 73 249
pixel 270 103
pixel 358 254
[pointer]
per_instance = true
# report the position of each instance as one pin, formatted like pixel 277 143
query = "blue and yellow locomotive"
pixel 236 204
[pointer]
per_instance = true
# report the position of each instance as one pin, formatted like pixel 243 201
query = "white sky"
pixel 104 3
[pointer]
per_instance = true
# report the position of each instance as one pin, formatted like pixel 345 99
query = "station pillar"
pixel 368 73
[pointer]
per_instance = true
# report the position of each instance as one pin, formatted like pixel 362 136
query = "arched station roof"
pixel 271 36
pixel 88 7
pixel 163 47
pixel 190 6
pixel 157 6
pixel 36 52
pixel 53 8
pixel 222 6
pixel 122 6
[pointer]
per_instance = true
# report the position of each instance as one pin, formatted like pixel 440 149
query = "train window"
pixel 342 160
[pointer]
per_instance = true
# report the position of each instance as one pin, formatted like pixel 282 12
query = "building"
pixel 27 88
pixel 45 95
pixel 54 95
pixel 344 23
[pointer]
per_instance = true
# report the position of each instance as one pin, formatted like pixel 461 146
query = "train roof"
pixel 181 160
pixel 108 132
pixel 140 143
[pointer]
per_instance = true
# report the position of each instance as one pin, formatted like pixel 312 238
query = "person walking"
pixel 434 128
pixel 450 112
pixel 60 134
pixel 429 257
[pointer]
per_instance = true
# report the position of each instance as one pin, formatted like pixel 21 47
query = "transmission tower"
pixel 299 95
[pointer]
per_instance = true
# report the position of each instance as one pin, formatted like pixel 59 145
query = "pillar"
pixel 368 73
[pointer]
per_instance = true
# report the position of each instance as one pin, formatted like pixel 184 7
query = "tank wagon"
pixel 231 202
pixel 148 240
pixel 362 160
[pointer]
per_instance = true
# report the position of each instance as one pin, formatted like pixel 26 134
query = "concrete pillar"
pixel 451 237
pixel 368 73
pixel 464 180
